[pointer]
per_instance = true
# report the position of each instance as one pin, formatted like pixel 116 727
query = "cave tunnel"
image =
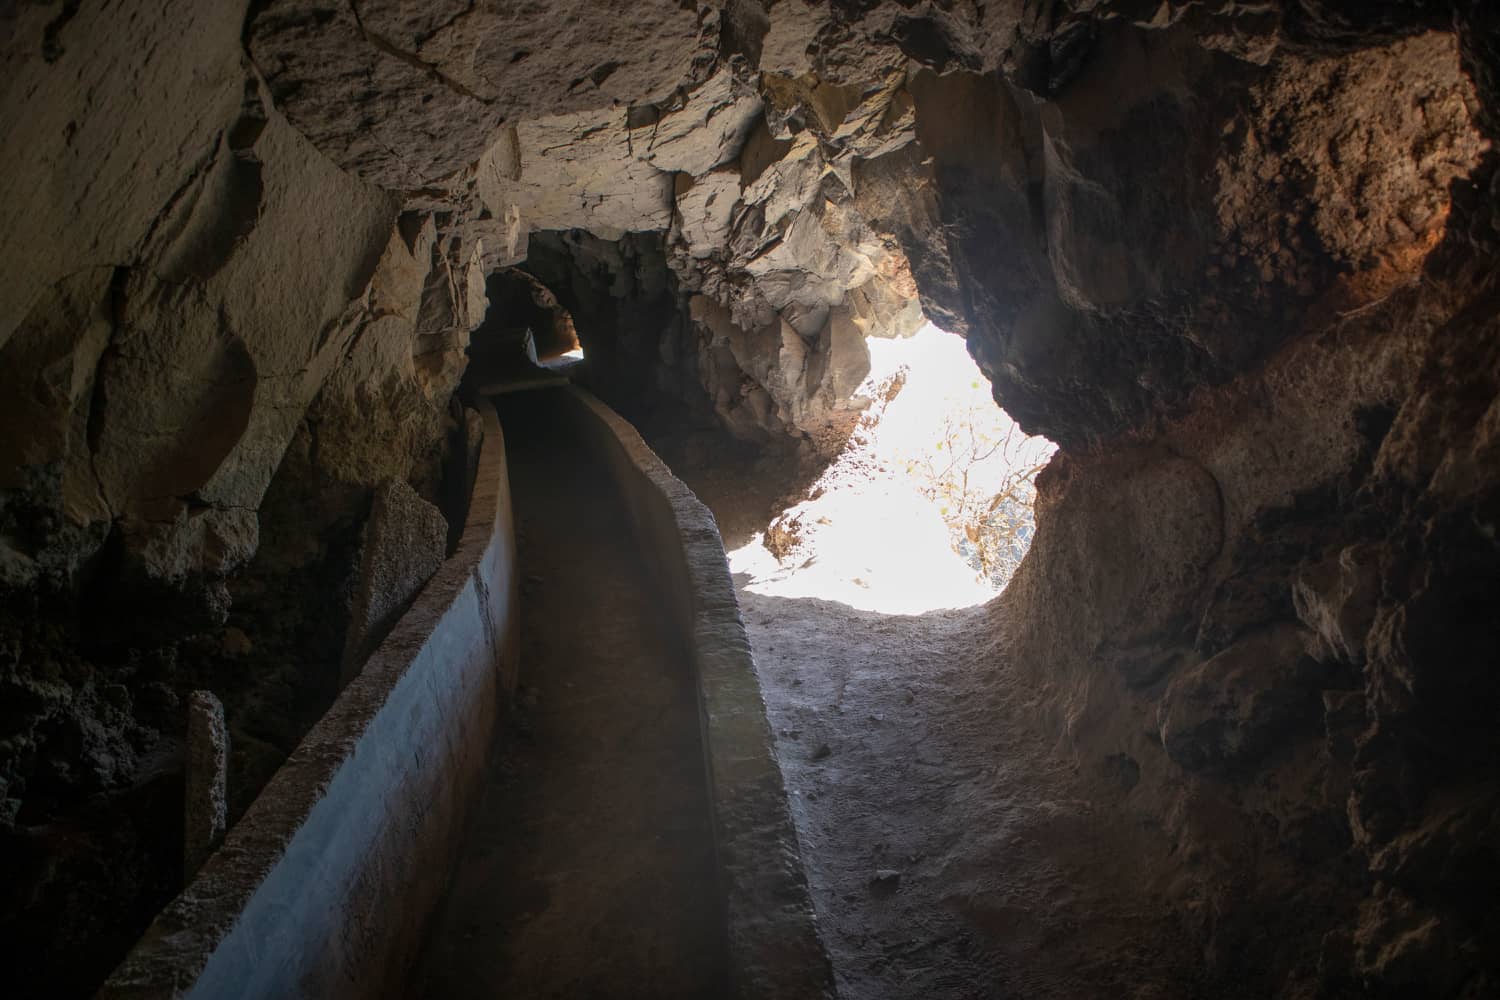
pixel 761 498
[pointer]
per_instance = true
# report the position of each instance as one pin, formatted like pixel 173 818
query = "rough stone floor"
pixel 950 853
pixel 589 871
pixel 952 850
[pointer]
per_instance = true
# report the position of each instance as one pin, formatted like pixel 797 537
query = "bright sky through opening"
pixel 873 538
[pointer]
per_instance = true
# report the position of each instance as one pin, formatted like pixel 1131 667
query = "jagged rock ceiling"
pixel 686 138
pixel 1116 201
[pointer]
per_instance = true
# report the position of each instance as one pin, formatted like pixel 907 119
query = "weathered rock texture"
pixel 402 545
pixel 214 344
pixel 1270 611
pixel 662 167
pixel 205 812
pixel 1237 258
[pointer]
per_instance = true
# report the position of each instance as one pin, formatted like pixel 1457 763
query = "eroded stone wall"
pixel 1254 299
pixel 214 343
pixel 1259 633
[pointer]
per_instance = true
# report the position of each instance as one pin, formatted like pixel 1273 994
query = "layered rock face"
pixel 214 344
pixel 685 160
pixel 1236 258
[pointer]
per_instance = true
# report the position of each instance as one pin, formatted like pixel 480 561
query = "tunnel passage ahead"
pixel 590 868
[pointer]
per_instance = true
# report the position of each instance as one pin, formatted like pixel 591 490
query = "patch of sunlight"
pixel 565 360
pixel 929 505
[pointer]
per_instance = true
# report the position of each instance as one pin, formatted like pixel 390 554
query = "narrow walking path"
pixel 590 869
pixel 950 852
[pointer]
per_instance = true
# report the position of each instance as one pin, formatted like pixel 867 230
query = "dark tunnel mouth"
pixel 521 305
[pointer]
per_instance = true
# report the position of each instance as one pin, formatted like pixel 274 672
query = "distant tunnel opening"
pixel 520 306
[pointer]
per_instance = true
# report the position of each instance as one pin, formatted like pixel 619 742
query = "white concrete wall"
pixel 324 888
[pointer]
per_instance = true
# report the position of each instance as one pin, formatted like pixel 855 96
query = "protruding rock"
pixel 205 810
pixel 1336 599
pixel 1239 705
pixel 404 542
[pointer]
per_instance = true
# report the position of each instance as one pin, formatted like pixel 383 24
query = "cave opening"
pixel 895 735
pixel 523 319
pixel 929 503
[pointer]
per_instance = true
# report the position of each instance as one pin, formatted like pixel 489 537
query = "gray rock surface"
pixel 200 304
pixel 205 804
pixel 403 543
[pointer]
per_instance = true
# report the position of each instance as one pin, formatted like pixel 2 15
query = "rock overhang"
pixel 1114 204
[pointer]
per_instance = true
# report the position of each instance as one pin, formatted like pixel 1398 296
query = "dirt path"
pixel 948 853
pixel 590 871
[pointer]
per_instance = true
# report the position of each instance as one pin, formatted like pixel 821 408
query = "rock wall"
pixel 214 343
pixel 1259 633
pixel 1240 264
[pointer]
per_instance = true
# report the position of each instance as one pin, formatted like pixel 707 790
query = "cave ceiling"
pixel 1114 201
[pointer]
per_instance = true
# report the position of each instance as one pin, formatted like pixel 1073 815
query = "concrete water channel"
pixel 554 777
pixel 590 869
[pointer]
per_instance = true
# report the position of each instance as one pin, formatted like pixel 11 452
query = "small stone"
pixel 823 752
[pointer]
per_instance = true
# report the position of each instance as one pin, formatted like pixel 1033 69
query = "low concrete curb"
pixel 324 888
pixel 774 949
